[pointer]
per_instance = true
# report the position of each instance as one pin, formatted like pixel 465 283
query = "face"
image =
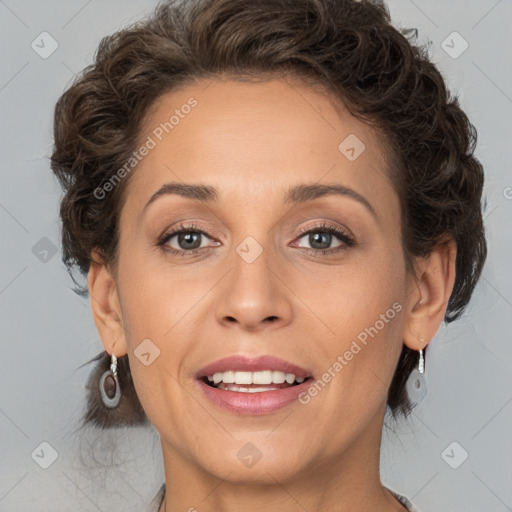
pixel 261 268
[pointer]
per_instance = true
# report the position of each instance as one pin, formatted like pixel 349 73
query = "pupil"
pixel 184 239
pixel 316 238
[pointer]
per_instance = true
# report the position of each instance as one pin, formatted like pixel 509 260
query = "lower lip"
pixel 262 402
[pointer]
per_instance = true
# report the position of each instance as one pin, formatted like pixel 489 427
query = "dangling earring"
pixel 421 363
pixel 109 385
pixel 421 360
pixel 416 383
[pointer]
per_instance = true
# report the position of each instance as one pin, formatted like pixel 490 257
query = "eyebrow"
pixel 296 194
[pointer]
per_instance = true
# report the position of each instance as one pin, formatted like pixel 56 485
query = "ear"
pixel 105 306
pixel 429 292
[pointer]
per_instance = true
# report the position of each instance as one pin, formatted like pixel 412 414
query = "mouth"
pixel 253 386
pixel 253 382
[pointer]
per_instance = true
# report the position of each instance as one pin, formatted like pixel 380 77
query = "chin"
pixel 253 462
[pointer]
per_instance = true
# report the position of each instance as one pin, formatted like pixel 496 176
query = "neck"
pixel 334 481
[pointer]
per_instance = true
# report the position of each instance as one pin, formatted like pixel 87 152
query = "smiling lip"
pixel 263 402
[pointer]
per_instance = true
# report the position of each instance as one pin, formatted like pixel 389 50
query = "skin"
pixel 252 141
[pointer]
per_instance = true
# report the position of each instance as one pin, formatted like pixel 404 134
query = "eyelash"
pixel 322 227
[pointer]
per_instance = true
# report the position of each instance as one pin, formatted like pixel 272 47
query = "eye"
pixel 321 237
pixel 184 240
pixel 189 239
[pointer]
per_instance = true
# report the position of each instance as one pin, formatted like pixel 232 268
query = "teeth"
pixel 264 377
pixel 260 377
pixel 228 377
pixel 278 377
pixel 243 378
pixel 234 387
pixel 290 378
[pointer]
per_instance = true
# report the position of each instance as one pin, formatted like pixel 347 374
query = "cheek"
pixel 351 297
pixel 155 298
pixel 363 308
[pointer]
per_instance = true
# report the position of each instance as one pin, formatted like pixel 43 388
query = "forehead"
pixel 250 138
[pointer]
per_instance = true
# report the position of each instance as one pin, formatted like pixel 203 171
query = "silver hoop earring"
pixel 421 362
pixel 109 386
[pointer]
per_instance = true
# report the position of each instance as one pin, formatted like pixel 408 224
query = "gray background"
pixel 48 332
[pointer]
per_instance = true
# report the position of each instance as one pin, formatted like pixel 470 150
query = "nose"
pixel 255 296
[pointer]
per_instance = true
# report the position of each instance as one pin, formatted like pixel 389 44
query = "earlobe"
pixel 430 292
pixel 105 306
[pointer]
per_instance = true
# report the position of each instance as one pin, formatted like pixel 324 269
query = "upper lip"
pixel 253 364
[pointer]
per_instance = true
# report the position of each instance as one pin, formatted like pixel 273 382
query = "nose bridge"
pixel 253 295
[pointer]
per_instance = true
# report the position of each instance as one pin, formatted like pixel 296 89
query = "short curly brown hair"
pixel 350 46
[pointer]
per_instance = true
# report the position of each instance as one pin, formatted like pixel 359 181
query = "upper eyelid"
pixel 324 224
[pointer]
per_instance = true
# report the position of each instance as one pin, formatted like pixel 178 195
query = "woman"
pixel 276 204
